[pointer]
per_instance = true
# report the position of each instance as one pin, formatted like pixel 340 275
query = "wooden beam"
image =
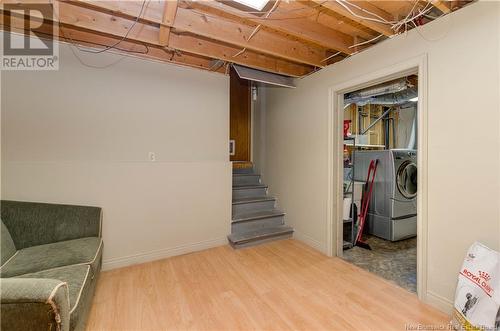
pixel 266 42
pixel 442 6
pixel 86 38
pixel 169 11
pixel 225 52
pixel 227 31
pixel 301 28
pixel 103 24
pixel 340 9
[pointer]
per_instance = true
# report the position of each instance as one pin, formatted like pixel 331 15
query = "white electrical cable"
pixel 366 42
pixel 266 16
pixel 331 56
pixel 407 20
pixel 367 11
pixel 360 16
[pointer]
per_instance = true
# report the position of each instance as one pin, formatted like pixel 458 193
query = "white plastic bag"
pixel 477 298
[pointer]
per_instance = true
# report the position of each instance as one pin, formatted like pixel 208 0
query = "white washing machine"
pixel 392 214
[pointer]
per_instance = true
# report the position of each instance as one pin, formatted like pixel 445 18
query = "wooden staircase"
pixel 255 218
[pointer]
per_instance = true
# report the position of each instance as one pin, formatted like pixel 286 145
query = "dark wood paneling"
pixel 240 116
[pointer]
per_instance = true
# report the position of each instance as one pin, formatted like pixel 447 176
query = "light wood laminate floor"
pixel 283 285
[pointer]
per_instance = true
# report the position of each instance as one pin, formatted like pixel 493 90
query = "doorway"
pixel 239 119
pixel 380 180
pixel 335 219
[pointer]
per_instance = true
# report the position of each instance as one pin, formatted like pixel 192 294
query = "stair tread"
pixel 248 186
pixel 246 175
pixel 237 201
pixel 238 238
pixel 257 215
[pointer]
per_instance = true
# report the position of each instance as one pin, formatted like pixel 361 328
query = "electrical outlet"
pixel 152 156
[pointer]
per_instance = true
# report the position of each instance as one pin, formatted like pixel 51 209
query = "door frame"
pixel 416 65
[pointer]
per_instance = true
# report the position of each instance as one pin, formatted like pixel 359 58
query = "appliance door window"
pixel 407 179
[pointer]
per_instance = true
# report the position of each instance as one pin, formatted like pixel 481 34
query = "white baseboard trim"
pixel 437 301
pixel 310 241
pixel 159 254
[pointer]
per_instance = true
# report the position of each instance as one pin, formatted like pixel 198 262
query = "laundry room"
pixel 380 180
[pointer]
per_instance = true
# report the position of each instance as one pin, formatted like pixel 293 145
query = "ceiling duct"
pixel 381 89
pixel 263 77
pixel 387 99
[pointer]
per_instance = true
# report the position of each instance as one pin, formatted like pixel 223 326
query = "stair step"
pixel 253 204
pixel 250 216
pixel 240 193
pixel 248 186
pixel 246 179
pixel 259 236
pixel 237 201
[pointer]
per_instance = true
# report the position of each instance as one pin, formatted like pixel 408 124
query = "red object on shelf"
pixel 347 125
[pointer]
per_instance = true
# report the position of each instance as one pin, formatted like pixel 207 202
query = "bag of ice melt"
pixel 477 298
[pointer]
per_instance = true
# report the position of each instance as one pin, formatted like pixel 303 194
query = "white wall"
pixel 463 138
pixel 82 136
pixel 259 131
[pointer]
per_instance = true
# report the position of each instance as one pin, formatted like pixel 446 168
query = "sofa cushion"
pixel 32 224
pixel 7 249
pixel 78 278
pixel 49 256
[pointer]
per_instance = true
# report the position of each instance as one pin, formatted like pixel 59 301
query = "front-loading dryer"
pixel 392 213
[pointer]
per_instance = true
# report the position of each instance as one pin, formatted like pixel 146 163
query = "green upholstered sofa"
pixel 50 260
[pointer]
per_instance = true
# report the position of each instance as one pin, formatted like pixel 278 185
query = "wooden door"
pixel 239 117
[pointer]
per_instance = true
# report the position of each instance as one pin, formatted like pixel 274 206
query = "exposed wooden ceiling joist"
pixel 104 24
pixel 169 11
pixel 357 15
pixel 442 6
pixel 264 42
pixel 86 38
pixel 227 31
pixel 300 28
pixel 297 38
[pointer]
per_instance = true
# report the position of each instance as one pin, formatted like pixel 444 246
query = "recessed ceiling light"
pixel 255 4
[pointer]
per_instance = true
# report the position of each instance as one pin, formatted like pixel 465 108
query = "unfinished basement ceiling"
pixel 292 38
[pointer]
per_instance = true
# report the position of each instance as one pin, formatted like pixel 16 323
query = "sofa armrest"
pixel 32 304
pixel 32 224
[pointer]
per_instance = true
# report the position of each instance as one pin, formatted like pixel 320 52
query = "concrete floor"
pixel 394 261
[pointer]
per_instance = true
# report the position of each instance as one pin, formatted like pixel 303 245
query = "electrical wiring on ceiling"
pixel 331 56
pixel 245 16
pixel 376 18
pixel 354 9
pixel 107 48
pixel 73 43
pixel 366 42
pixel 365 11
